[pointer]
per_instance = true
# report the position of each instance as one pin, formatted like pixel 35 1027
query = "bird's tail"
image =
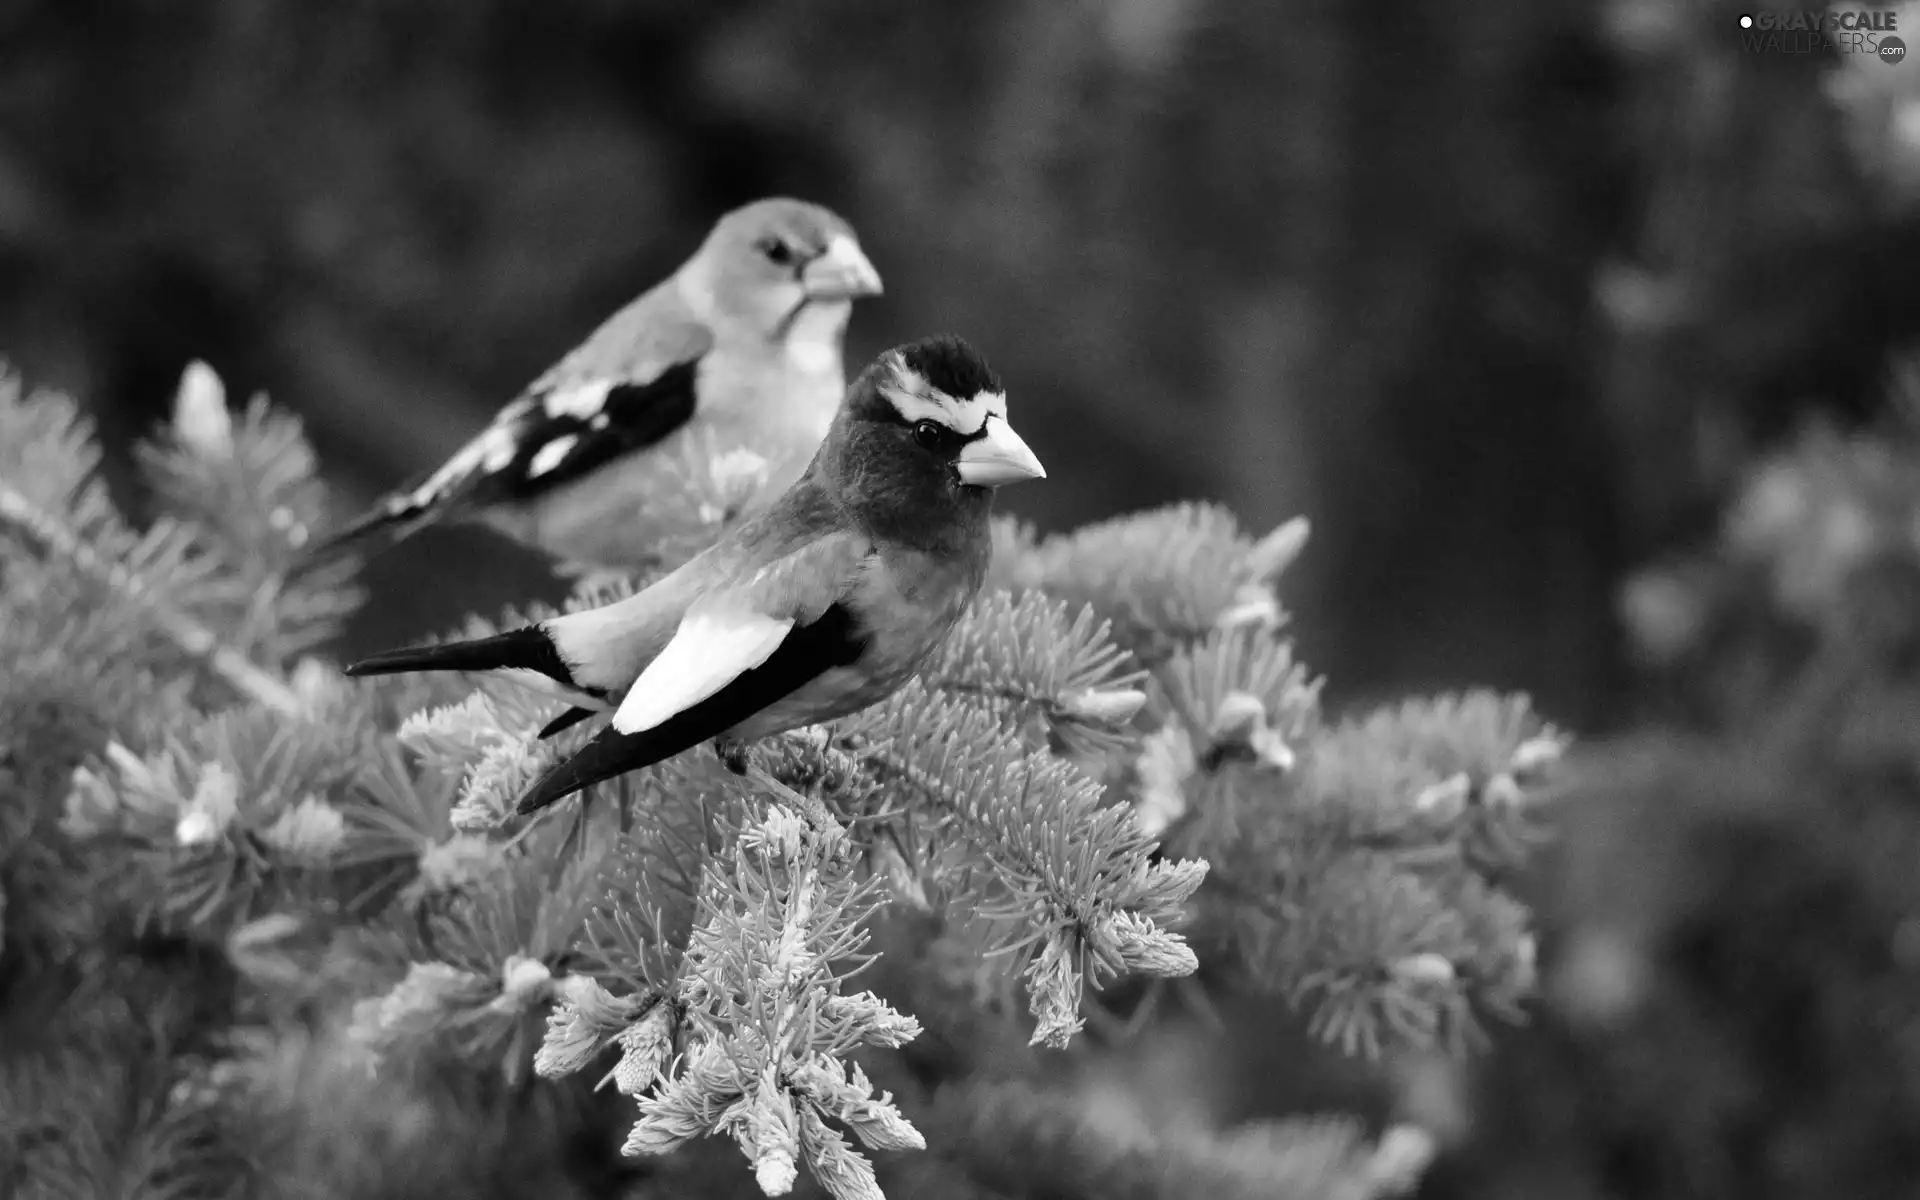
pixel 378 529
pixel 610 753
pixel 527 649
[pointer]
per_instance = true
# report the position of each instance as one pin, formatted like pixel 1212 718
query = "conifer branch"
pixel 1037 1140
pixel 1079 887
pixel 1028 660
pixel 38 529
pixel 47 469
pixel 781 924
pixel 1164 577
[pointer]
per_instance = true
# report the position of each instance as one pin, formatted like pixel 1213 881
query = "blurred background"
pixel 1512 299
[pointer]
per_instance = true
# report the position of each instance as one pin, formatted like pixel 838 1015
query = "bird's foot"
pixel 733 754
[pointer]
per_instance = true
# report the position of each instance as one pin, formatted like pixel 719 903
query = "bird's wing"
pixel 712 648
pixel 734 653
pixel 605 400
pixel 628 386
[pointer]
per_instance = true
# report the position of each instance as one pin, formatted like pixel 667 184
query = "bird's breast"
pixel 779 399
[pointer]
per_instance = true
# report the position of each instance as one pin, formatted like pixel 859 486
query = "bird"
pixel 820 604
pixel 742 343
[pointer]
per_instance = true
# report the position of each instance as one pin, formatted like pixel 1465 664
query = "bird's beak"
pixel 998 458
pixel 840 272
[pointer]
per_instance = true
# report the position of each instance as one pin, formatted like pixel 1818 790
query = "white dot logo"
pixel 1746 22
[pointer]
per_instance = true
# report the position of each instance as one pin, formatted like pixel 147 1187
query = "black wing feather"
pixel 636 415
pixel 565 721
pixel 632 416
pixel 835 640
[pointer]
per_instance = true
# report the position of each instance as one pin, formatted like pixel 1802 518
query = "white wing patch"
pixel 583 400
pixel 708 651
pixel 550 455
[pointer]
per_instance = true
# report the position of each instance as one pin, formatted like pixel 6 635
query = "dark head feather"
pixel 896 485
pixel 951 365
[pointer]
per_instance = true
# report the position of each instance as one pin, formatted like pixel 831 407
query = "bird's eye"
pixel 778 252
pixel 928 433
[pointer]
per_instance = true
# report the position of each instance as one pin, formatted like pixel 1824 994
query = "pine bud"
pixel 311 831
pixel 1165 764
pixel 316 683
pixel 682 1109
pixel 92 808
pixel 1254 606
pixel 1275 552
pixel 902 880
pixel 877 1122
pixel 872 1020
pixel 1111 706
pixel 1526 962
pixel 416 1004
pixel 251 949
pixel 134 769
pixel 1147 949
pixel 1446 799
pixel 1240 723
pixel 1170 884
pixel 1055 980
pixel 842 1171
pixel 772 1137
pixel 200 417
pixel 1403 1154
pixel 1239 716
pixel 644 1048
pixel 842 1090
pixel 447 866
pixel 494 785
pixel 781 835
pixel 1502 794
pixel 1272 749
pixel 523 981
pixel 1425 968
pixel 1537 753
pixel 215 804
pixel 580 1024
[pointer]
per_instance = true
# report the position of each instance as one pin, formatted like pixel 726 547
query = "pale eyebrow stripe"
pixel 948 410
pixel 917 408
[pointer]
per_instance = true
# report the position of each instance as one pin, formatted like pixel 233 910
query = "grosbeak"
pixel 821 604
pixel 740 346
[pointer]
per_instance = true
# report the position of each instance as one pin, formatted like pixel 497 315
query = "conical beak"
pixel 840 272
pixel 1000 457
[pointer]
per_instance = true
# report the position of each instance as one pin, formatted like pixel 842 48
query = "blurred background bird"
pixel 741 346
pixel 824 603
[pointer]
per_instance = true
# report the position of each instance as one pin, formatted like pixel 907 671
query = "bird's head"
pixel 924 434
pixel 768 262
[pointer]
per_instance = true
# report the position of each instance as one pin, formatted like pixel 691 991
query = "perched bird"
pixel 742 343
pixel 819 605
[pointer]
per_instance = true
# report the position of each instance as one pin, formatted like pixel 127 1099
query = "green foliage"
pixel 1115 768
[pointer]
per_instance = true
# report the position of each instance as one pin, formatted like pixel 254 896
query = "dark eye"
pixel 778 252
pixel 929 433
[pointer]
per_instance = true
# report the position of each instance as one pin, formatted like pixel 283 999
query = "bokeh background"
pixel 1509 298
